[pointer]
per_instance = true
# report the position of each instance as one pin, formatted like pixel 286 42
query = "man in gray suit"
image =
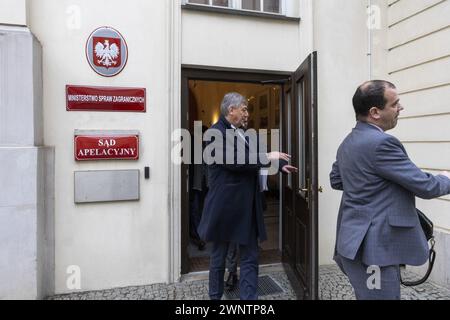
pixel 378 228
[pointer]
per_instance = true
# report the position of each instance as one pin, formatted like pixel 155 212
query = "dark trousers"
pixel 195 212
pixel 232 257
pixel 360 274
pixel 248 282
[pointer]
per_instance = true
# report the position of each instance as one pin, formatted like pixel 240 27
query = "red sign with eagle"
pixel 106 51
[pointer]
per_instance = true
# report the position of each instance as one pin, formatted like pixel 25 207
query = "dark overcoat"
pixel 234 200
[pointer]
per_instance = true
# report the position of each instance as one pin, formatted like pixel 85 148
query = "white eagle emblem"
pixel 107 54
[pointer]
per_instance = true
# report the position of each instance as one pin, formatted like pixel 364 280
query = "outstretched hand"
pixel 275 155
pixel 445 173
pixel 289 169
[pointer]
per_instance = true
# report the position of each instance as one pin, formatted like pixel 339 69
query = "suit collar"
pixel 367 126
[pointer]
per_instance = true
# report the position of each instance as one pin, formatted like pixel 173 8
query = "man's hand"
pixel 275 155
pixel 445 173
pixel 289 169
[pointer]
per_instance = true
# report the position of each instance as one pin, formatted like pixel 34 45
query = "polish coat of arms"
pixel 106 51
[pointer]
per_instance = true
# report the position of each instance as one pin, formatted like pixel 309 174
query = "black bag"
pixel 427 227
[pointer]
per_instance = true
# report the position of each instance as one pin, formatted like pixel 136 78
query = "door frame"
pixel 211 73
pixel 223 74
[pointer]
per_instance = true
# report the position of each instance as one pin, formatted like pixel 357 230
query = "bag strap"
pixel 431 258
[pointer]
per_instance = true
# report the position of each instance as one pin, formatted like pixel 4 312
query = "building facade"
pixel 53 243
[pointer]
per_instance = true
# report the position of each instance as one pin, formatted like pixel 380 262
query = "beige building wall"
pixel 13 12
pixel 26 173
pixel 234 41
pixel 341 38
pixel 123 243
pixel 419 64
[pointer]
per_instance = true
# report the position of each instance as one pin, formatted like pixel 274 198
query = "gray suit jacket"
pixel 377 221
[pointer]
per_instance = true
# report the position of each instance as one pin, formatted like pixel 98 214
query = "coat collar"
pixel 225 122
pixel 366 126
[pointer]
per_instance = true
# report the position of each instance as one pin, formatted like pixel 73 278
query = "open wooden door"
pixel 300 190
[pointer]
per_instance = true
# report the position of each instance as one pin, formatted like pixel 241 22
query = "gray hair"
pixel 232 99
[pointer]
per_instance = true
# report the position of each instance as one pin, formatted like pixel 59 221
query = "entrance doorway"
pixel 264 105
pixel 277 100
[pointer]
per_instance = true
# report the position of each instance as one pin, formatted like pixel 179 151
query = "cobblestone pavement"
pixel 333 285
pixel 185 290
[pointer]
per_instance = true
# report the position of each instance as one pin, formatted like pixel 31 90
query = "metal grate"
pixel 266 286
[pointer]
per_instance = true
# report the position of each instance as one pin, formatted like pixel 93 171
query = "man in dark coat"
pixel 233 207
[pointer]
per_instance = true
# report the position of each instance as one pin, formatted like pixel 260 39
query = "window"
pixel 301 135
pixel 216 3
pixel 271 6
pixel 266 6
pixel 289 133
pixel 251 5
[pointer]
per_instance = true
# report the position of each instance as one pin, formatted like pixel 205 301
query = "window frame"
pixel 237 5
pixel 210 4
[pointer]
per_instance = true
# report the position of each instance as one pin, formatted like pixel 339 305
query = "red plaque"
pixel 106 148
pixel 79 98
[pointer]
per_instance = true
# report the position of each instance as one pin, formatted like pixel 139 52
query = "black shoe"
pixel 201 245
pixel 232 281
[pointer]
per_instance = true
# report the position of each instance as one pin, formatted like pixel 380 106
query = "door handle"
pixel 307 192
pixel 307 189
pixel 320 189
